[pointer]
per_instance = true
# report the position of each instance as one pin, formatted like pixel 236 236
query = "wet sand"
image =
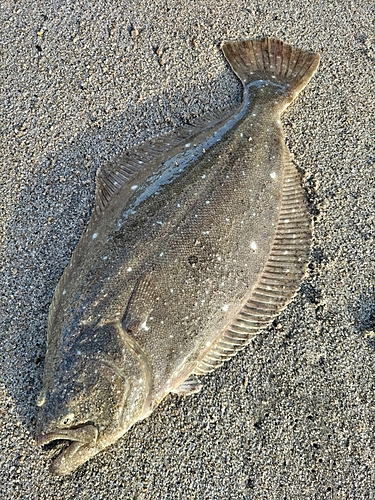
pixel 292 416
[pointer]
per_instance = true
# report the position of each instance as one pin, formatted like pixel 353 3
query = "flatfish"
pixel 196 241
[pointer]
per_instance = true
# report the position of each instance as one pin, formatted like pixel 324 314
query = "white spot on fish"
pixel 225 308
pixel 187 145
pixel 161 254
pixel 95 235
pixel 171 290
pixel 105 257
pixel 253 245
pixel 273 175
pixel 144 326
pixel 129 269
pixel 251 150
pixel 64 292
pixel 178 205
pixel 208 343
pixel 254 114
pixel 79 353
pixel 133 188
pixel 207 202
pixel 203 176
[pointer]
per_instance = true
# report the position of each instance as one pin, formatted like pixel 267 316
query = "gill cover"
pixel 95 395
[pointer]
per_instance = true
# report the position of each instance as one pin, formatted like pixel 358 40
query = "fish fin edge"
pixel 271 60
pixel 139 307
pixel 189 386
pixel 138 162
pixel 279 281
pixel 125 169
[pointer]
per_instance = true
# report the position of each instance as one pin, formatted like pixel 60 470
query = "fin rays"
pixel 272 60
pixel 278 282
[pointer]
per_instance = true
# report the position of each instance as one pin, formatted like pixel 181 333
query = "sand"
pixel 292 416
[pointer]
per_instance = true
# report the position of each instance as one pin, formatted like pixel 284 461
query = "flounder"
pixel 196 241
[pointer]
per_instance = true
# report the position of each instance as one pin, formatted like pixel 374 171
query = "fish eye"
pixel 67 419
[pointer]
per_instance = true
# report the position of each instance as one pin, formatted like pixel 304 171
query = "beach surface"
pixel 293 415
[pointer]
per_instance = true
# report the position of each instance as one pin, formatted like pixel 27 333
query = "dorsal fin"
pixel 137 163
pixel 147 156
pixel 279 280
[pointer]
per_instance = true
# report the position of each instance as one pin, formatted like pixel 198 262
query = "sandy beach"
pixel 293 415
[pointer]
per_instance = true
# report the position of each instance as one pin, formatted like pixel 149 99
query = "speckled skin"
pixel 162 271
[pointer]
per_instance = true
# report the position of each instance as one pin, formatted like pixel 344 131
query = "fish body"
pixel 196 241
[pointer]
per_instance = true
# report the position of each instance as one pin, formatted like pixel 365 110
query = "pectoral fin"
pixel 140 305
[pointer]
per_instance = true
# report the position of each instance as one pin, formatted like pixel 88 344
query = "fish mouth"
pixel 83 446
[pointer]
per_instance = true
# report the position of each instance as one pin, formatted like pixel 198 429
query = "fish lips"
pixel 84 445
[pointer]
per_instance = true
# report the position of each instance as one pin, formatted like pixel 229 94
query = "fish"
pixel 197 240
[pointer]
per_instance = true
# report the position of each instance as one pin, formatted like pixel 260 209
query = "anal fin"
pixel 278 282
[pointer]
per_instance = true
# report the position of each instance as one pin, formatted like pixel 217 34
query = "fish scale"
pixel 197 240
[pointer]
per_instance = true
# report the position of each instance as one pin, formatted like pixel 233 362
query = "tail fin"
pixel 271 60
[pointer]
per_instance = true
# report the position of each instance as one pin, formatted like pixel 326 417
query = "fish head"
pixel 96 392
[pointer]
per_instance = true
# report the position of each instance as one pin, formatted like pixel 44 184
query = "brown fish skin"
pixel 197 240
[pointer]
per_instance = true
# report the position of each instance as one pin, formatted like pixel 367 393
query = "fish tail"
pixel 272 60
